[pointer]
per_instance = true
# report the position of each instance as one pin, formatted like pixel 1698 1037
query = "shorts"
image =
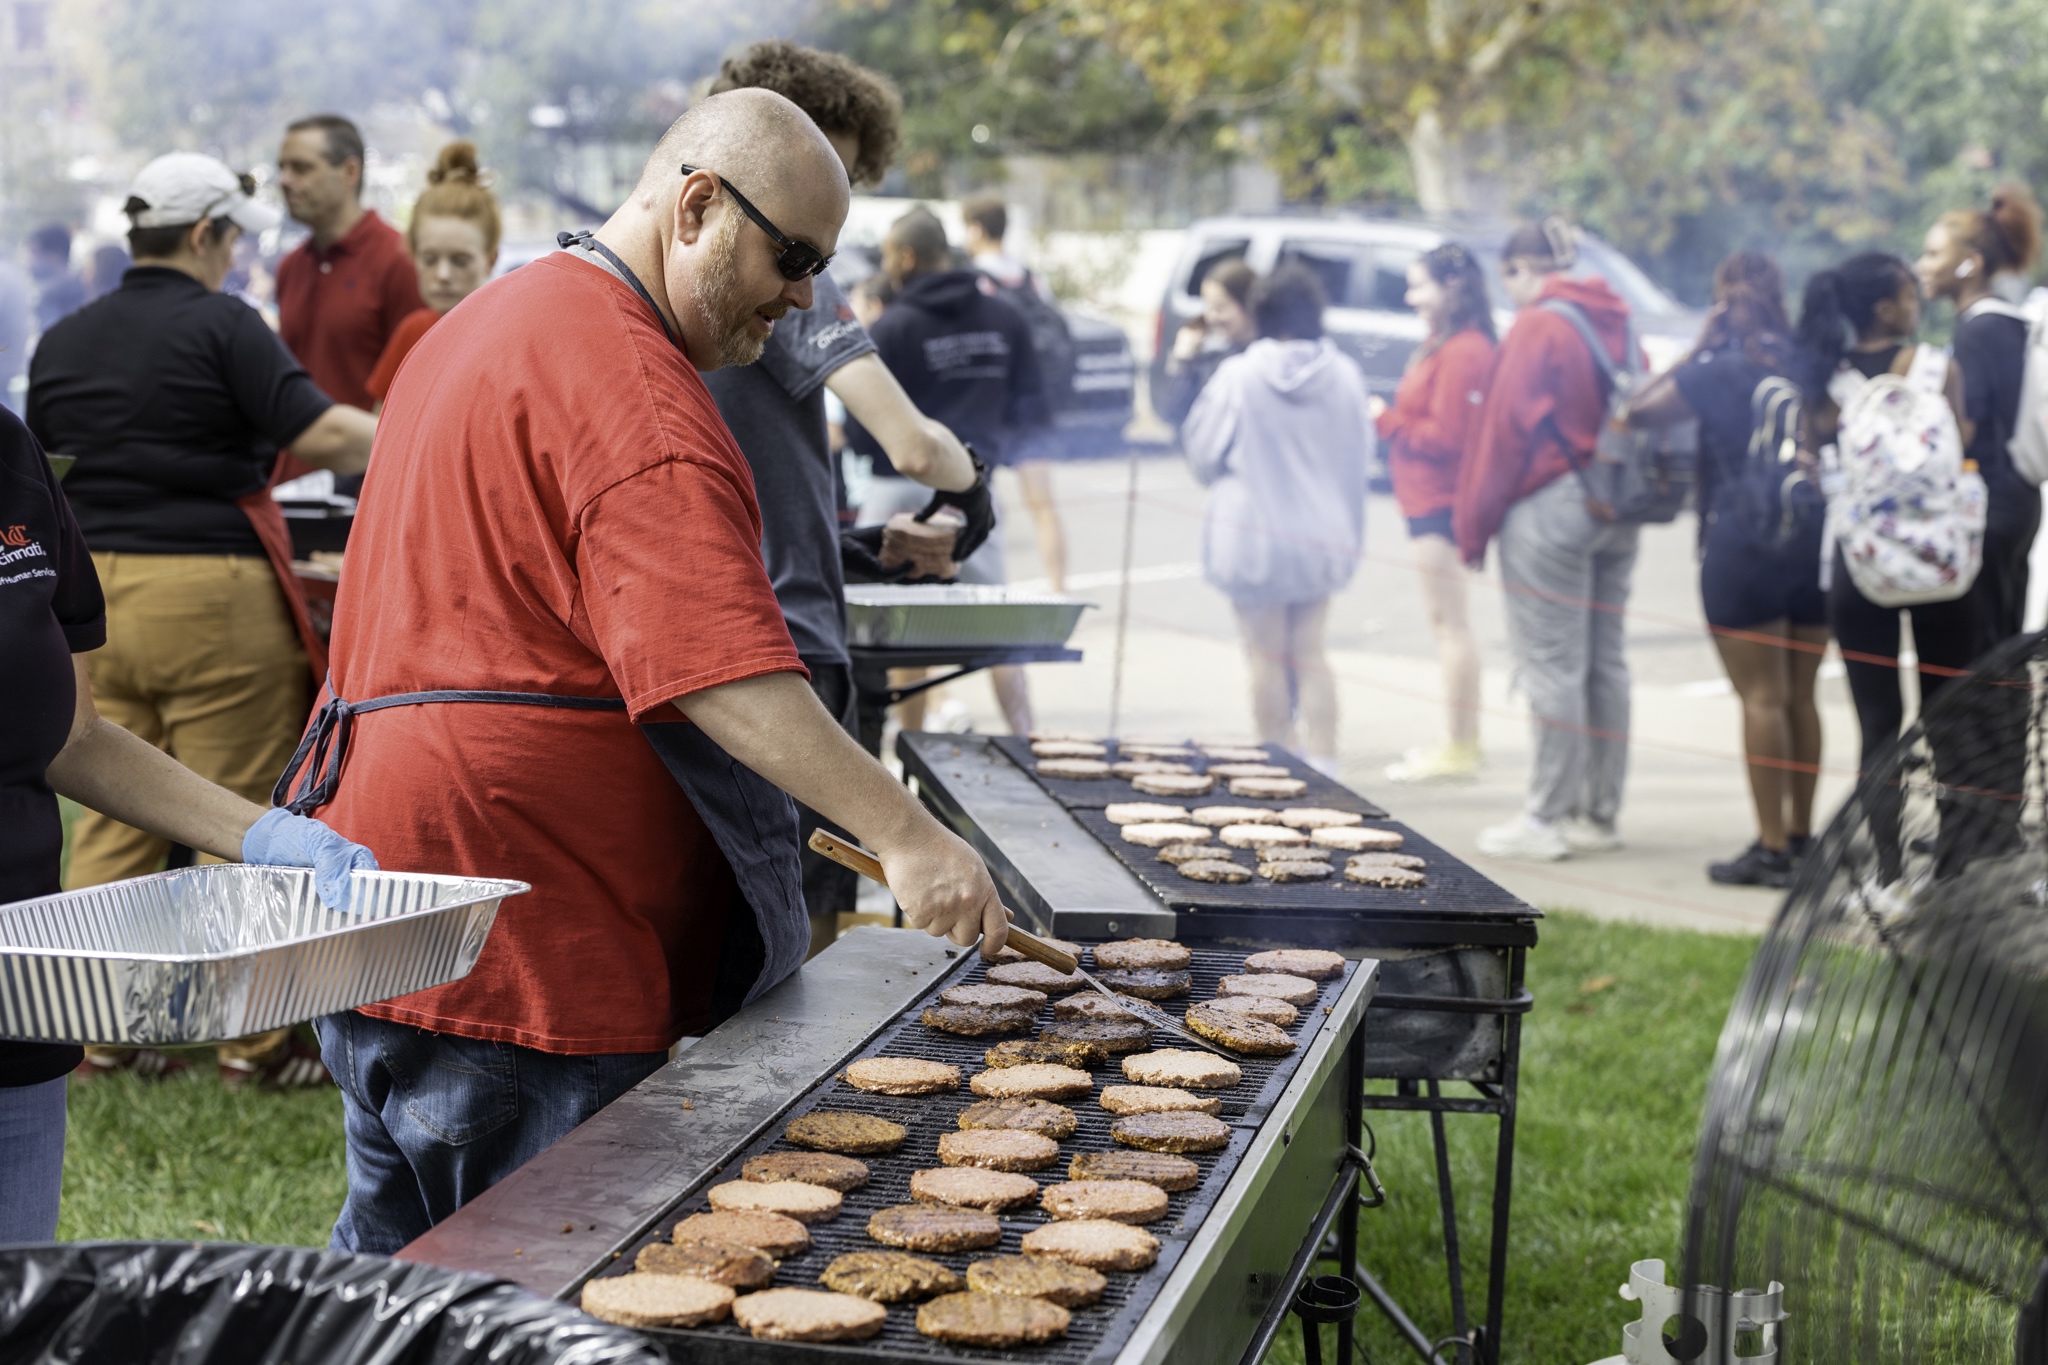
pixel 889 494
pixel 1435 524
pixel 1748 581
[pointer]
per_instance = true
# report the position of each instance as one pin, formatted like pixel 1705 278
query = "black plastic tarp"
pixel 183 1303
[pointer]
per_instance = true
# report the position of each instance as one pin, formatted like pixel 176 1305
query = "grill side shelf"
pixel 1097 1331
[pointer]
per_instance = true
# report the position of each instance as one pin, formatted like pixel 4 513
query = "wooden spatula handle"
pixel 868 865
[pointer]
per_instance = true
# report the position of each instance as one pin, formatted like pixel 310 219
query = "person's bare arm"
pixel 118 774
pixel 1660 404
pixel 339 440
pixel 919 447
pixel 775 725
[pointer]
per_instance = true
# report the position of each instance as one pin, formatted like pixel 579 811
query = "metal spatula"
pixel 1029 944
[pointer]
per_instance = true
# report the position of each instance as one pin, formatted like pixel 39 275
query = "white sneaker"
pixel 1524 837
pixel 1584 835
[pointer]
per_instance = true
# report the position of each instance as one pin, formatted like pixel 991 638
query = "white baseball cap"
pixel 184 187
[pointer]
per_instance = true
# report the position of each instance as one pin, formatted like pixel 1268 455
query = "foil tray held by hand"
pixel 205 954
pixel 945 615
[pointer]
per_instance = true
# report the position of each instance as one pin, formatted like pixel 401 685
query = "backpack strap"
pixel 1929 371
pixel 1583 325
pixel 1997 307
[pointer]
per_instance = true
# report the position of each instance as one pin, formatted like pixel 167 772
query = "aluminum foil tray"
pixel 211 953
pixel 948 614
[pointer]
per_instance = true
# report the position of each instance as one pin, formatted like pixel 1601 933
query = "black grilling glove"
pixel 976 503
pixel 860 557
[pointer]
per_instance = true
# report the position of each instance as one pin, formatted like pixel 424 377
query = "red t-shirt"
pixel 553 506
pixel 397 349
pixel 337 308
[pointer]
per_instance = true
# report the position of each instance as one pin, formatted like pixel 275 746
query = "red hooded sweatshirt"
pixel 1431 422
pixel 1545 397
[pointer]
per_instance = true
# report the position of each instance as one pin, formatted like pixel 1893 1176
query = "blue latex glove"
pixel 281 839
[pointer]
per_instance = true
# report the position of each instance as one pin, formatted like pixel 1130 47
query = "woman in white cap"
pixel 175 400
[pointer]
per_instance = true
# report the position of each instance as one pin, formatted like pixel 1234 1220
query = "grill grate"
pixel 1452 886
pixel 1097 1333
pixel 1094 795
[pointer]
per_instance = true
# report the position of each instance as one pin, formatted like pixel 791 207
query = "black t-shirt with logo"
pixel 50 609
pixel 175 400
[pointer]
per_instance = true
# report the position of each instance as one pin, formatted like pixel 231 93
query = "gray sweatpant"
pixel 1567 580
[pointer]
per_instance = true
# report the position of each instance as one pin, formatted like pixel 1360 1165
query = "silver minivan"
pixel 1364 263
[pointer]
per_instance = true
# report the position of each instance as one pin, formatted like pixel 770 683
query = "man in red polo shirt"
pixel 558 512
pixel 343 292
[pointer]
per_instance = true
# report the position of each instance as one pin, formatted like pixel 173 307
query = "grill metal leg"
pixel 1504 1167
pixel 1447 1199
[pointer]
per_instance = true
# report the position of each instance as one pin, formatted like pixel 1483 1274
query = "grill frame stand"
pixel 1063 882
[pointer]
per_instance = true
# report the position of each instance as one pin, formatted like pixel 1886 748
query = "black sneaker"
pixel 1756 866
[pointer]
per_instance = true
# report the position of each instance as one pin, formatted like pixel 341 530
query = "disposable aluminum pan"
pixel 217 952
pixel 953 614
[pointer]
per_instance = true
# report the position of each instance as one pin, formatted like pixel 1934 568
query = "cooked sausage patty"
pixel 1353 839
pixel 1029 1051
pixel 1072 769
pixel 925 1227
pixel 1177 854
pixel 1037 1277
pixel 990 997
pixel 1160 833
pixel 1173 784
pixel 974 1021
pixel 1148 983
pixel 1217 817
pixel 726 1263
pixel 1268 788
pixel 1045 1082
pixel 1035 976
pixel 967 1187
pixel 1139 953
pixel 840 1173
pixel 1096 1243
pixel 1318 817
pixel 991 1320
pixel 1114 1035
pixel 1260 836
pixel 1141 812
pixel 1256 1007
pixel 1166 1171
pixel 1025 1116
pixel 1090 1005
pixel 889 1276
pixel 1295 990
pixel 638 1299
pixel 902 1076
pixel 1156 1099
pixel 830 1130
pixel 808 1315
pixel 1215 870
pixel 1183 1067
pixel 771 1234
pixel 790 1198
pixel 1295 870
pixel 1120 1201
pixel 998 1149
pixel 1312 964
pixel 1171 1132
pixel 1239 1032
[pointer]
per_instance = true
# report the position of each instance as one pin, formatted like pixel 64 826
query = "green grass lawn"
pixel 1615 1059
pixel 1614 1065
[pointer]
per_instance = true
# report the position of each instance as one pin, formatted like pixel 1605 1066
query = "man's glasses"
pixel 799 260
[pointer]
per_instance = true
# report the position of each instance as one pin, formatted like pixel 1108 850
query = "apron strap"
pixel 325 743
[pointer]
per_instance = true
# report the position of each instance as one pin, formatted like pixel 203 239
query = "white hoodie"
pixel 1282 437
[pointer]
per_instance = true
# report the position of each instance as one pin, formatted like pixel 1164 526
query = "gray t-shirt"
pixel 776 410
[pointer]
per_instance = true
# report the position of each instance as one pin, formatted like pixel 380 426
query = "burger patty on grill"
pixel 1138 953
pixel 808 1315
pixel 639 1299
pixel 993 997
pixel 726 1263
pixel 967 1187
pixel 771 1234
pixel 991 1320
pixel 1156 1168
pixel 998 1149
pixel 1312 964
pixel 1025 1116
pixel 1059 1052
pixel 924 1227
pixel 1239 1032
pixel 1035 976
pixel 1171 1132
pixel 975 1021
pixel 1090 1005
pixel 889 1276
pixel 1156 1099
pixel 1114 1035
pixel 1120 1201
pixel 1149 983
pixel 830 1130
pixel 1037 1277
pixel 902 1076
pixel 1096 1243
pixel 840 1173
pixel 1031 1082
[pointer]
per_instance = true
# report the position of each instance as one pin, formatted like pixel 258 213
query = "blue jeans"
pixel 32 1172
pixel 433 1120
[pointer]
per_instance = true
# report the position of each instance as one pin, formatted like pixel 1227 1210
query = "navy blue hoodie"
pixel 965 359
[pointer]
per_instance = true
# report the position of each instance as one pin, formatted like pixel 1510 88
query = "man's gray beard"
pixel 719 302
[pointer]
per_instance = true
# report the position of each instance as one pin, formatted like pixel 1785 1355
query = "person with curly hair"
pixel 776 411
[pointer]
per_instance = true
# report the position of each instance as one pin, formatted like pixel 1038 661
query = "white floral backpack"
pixel 1905 509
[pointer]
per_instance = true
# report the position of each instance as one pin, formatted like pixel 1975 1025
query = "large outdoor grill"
pixel 1452 954
pixel 1235 1249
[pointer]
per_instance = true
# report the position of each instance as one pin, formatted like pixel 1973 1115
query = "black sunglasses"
pixel 799 260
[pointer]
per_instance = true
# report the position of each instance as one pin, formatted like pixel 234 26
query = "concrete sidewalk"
pixel 1688 800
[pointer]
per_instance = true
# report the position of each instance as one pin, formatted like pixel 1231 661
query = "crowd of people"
pixel 588 632
pixel 1823 514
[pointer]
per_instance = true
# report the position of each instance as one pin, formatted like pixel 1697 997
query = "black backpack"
pixel 1634 476
pixel 1051 342
pixel 1772 493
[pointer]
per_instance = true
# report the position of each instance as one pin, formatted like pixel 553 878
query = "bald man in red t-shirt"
pixel 557 510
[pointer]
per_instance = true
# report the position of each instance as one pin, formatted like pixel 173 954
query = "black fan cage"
pixel 1876 1132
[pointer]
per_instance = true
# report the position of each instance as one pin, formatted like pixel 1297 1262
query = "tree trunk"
pixel 1435 163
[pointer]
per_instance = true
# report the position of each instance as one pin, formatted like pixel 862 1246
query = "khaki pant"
pixel 201 660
